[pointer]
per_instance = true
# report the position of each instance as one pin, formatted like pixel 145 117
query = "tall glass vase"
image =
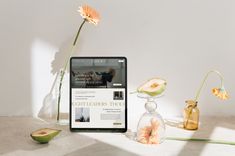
pixel 49 110
pixel 62 114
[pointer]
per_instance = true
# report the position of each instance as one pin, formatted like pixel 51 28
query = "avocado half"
pixel 44 135
pixel 153 87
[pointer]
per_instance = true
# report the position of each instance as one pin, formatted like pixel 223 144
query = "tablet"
pixel 98 99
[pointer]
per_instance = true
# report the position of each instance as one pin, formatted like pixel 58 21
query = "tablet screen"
pixel 98 93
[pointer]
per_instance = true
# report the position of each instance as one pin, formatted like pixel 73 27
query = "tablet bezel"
pixel 121 130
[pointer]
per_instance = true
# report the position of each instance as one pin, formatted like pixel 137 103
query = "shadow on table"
pixel 174 123
pixel 101 149
pixel 15 137
pixel 205 130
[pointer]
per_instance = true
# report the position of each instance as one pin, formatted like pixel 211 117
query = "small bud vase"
pixel 191 115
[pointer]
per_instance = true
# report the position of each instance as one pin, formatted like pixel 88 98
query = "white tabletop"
pixel 15 140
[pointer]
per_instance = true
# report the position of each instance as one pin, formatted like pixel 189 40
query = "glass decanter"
pixel 151 126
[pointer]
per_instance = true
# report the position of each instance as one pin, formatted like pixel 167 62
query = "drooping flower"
pixel 220 93
pixel 149 134
pixel 89 14
pixel 191 112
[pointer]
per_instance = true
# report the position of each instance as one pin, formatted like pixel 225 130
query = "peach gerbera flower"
pixel 149 134
pixel 220 93
pixel 89 14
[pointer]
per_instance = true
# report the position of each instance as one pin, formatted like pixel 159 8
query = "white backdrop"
pixel 177 40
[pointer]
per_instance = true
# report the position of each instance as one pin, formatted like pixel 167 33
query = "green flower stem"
pixel 79 30
pixel 204 80
pixel 65 67
pixel 202 140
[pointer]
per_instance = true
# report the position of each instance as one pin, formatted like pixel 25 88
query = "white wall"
pixel 177 40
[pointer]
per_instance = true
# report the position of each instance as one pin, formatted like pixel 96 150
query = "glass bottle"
pixel 191 115
pixel 151 126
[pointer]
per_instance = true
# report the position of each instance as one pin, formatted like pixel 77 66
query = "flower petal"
pixel 220 93
pixel 89 14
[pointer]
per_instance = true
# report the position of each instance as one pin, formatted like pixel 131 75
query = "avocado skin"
pixel 45 139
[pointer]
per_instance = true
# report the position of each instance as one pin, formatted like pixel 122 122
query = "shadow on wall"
pixel 60 57
pixel 25 79
pixel 49 107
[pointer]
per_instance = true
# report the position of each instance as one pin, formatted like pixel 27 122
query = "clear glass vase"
pixel 49 110
pixel 151 126
pixel 62 114
pixel 191 115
